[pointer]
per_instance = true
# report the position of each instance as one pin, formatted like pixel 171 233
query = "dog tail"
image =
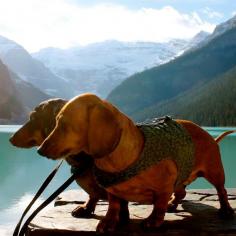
pixel 221 136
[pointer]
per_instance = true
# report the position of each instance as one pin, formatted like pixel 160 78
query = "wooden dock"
pixel 196 216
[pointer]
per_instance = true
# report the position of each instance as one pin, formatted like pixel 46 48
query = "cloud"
pixel 41 23
pixel 211 14
pixel 233 13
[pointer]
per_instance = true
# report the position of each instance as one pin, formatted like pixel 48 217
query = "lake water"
pixel 22 171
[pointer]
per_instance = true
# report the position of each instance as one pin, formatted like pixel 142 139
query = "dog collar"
pixel 80 163
pixel 164 139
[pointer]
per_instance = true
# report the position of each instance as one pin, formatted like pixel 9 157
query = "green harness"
pixel 165 139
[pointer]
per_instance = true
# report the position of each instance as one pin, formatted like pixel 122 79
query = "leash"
pixel 39 192
pixel 46 202
pixel 85 162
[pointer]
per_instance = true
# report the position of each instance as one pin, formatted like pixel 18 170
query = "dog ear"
pixel 104 131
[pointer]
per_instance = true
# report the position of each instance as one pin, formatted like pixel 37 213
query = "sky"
pixel 37 24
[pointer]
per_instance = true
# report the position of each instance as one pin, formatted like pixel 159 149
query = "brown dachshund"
pixel 42 121
pixel 94 126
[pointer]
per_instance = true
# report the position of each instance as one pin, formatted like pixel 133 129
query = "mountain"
pixel 223 27
pixel 210 105
pixel 11 108
pixel 29 95
pixel 165 82
pixel 219 30
pixel 30 70
pixel 100 67
pixel 17 97
pixel 198 40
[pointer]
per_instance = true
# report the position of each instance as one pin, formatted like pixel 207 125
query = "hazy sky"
pixel 37 24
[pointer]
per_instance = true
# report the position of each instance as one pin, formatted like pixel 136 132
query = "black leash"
pixel 85 161
pixel 39 192
pixel 46 202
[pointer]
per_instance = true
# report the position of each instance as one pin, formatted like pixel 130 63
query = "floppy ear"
pixel 49 111
pixel 103 133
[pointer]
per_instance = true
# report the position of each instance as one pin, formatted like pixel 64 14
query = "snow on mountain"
pixel 219 30
pixel 198 38
pixel 223 27
pixel 30 70
pixel 96 68
pixel 7 45
pixel 196 42
pixel 100 67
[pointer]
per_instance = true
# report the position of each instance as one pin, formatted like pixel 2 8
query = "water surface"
pixel 22 171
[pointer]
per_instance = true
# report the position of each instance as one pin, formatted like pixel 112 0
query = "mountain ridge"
pixel 100 67
pixel 11 108
pixel 17 97
pixel 18 60
pixel 208 105
pixel 167 81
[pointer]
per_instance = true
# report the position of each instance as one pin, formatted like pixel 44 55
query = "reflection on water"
pixel 22 172
pixel 10 215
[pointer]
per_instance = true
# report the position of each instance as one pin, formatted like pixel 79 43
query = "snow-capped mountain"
pixel 100 67
pixel 30 70
pixel 198 38
pixel 223 27
pixel 219 30
pixel 147 94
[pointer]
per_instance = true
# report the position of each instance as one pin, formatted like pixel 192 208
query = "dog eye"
pixel 32 118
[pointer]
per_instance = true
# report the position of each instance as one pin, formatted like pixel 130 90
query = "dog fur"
pixel 42 121
pixel 94 126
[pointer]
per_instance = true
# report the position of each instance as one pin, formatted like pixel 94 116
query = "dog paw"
pixel 81 212
pixel 226 213
pixel 172 208
pixel 106 225
pixel 124 217
pixel 151 224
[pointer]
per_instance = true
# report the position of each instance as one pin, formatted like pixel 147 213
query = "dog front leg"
pixel 124 212
pixel 156 218
pixel 110 221
pixel 87 209
pixel 176 199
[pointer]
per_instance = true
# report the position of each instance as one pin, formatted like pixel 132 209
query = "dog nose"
pixel 40 152
pixel 11 140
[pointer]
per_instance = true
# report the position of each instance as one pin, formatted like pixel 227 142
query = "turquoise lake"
pixel 23 170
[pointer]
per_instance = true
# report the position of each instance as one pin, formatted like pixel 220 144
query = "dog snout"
pixel 41 151
pixel 11 140
pixel 48 151
pixel 14 141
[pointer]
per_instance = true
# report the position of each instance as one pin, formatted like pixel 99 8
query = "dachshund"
pixel 94 126
pixel 40 124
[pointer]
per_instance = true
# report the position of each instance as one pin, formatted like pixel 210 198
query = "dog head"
pixel 85 124
pixel 41 122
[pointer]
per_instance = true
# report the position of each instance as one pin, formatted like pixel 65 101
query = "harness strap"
pixel 164 139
